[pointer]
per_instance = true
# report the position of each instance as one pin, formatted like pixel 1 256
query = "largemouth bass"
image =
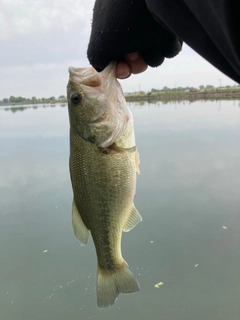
pixel 103 165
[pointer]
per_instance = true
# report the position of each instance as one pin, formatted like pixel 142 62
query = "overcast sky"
pixel 40 39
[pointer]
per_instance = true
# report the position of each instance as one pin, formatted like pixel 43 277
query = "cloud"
pixel 27 17
pixel 40 80
pixel 186 69
pixel 33 32
pixel 40 39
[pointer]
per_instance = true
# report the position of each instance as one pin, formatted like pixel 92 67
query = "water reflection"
pixel 15 109
pixel 187 192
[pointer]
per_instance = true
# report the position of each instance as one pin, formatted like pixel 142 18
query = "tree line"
pixel 186 89
pixel 21 100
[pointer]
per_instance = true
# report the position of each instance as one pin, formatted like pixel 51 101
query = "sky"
pixel 40 39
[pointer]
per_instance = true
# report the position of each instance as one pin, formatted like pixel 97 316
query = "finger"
pixel 123 70
pixel 136 62
pixel 133 63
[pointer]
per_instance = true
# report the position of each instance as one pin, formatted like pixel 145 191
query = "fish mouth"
pixel 90 77
pixel 86 76
pixel 109 70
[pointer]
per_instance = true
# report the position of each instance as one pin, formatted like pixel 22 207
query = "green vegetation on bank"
pixel 203 92
pixel 187 93
pixel 21 100
pixel 207 88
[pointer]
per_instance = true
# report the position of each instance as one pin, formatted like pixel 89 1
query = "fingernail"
pixel 123 75
pixel 133 56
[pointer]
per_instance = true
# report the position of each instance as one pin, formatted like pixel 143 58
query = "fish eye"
pixel 75 98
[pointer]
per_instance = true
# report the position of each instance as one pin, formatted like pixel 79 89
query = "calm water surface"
pixel 188 194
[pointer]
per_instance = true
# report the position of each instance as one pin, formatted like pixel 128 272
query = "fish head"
pixel 96 104
pixel 84 93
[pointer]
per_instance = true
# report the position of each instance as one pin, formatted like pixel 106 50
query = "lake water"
pixel 188 194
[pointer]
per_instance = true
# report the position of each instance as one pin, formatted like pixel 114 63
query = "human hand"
pixel 133 63
pixel 121 27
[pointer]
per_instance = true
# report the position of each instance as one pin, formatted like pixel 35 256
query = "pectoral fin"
pixel 133 220
pixel 137 161
pixel 80 230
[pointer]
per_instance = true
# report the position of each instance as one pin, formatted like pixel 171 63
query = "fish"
pixel 103 164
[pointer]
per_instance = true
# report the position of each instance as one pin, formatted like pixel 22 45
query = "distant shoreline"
pixel 26 103
pixel 156 96
pixel 198 95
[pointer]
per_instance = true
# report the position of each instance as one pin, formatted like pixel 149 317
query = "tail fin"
pixel 109 285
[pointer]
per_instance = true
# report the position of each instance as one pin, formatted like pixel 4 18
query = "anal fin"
pixel 133 220
pixel 80 230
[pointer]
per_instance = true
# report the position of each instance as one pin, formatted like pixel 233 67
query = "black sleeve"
pixel 210 27
pixel 155 27
pixel 123 26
